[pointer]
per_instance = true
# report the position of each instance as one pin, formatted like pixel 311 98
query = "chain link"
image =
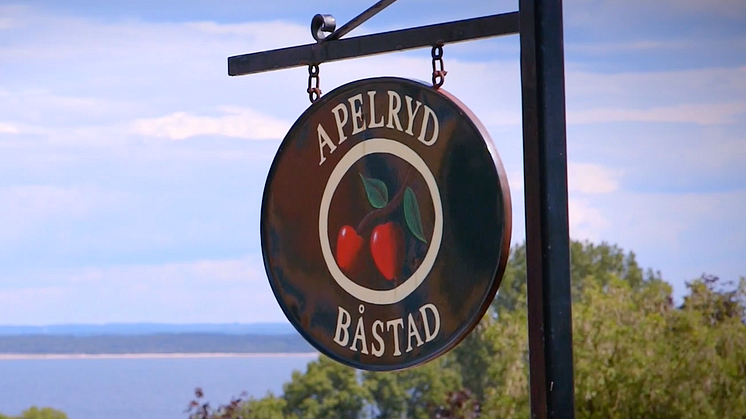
pixel 314 81
pixel 439 73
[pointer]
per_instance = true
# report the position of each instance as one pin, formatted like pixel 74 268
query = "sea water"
pixel 122 388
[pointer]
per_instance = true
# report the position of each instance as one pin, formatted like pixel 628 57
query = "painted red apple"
pixel 349 246
pixel 387 249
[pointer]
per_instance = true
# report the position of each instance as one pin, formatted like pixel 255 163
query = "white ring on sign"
pixel 380 297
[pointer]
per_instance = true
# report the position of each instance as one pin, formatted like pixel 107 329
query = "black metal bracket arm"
pixel 399 40
pixel 326 23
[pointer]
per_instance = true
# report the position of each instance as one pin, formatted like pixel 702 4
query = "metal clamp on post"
pixel 439 73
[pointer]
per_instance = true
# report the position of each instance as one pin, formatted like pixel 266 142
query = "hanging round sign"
pixel 386 223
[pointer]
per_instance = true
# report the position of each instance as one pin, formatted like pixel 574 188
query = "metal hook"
pixel 439 72
pixel 321 24
pixel 314 83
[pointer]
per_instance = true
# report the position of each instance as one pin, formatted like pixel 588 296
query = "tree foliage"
pixel 327 389
pixel 38 413
pixel 414 393
pixel 636 354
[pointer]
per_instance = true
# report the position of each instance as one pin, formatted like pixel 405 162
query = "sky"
pixel 132 166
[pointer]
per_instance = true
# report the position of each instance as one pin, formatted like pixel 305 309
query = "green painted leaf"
pixel 412 214
pixel 378 193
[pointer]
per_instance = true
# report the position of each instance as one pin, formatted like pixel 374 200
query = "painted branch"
pixel 393 204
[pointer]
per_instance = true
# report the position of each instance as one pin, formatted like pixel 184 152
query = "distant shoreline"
pixel 14 357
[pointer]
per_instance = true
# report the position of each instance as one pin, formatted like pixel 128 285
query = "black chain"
pixel 439 73
pixel 314 92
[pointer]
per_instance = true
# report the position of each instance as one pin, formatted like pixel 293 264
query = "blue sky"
pixel 132 166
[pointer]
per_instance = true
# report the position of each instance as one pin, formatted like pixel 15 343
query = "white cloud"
pixel 663 217
pixel 682 234
pixel 18 297
pixel 614 15
pixel 515 181
pixel 210 272
pixel 44 105
pixel 30 207
pixel 79 36
pixel 679 45
pixel 231 290
pixel 56 116
pixel 706 96
pixel 255 30
pixel 590 178
pixel 585 181
pixel 585 221
pixel 686 85
pixel 585 178
pixel 6 23
pixel 161 48
pixel 137 71
pixel 47 200
pixel 703 114
pixel 503 118
pixel 611 48
pixel 729 8
pixel 235 122
pixel 9 23
pixel 6 128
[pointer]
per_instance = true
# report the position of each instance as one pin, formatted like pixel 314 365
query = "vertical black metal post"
pixel 547 230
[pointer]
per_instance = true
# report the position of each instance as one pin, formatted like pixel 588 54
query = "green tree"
pixel 269 407
pixel 717 303
pixel 327 390
pixel 635 354
pixel 589 263
pixel 510 296
pixel 38 413
pixel 593 265
pixel 414 393
pixel 505 378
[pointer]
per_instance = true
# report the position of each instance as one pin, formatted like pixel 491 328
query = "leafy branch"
pixel 374 189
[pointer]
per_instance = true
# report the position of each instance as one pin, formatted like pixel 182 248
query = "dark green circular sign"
pixel 386 223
